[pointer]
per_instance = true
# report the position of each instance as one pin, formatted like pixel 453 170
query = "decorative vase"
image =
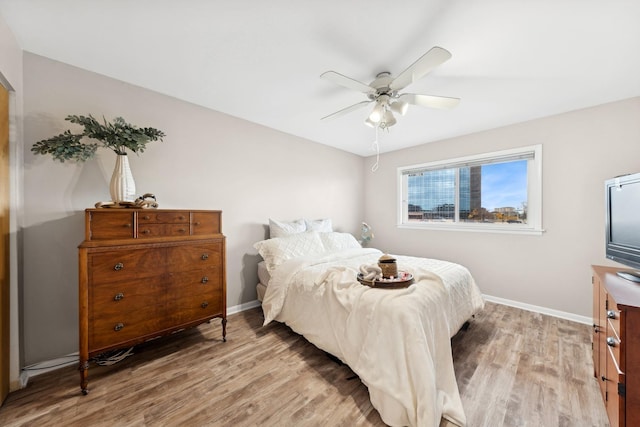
pixel 122 186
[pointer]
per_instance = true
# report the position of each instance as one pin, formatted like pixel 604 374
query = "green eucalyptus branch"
pixel 118 136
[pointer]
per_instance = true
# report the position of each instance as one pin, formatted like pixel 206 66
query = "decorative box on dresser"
pixel 616 344
pixel 144 273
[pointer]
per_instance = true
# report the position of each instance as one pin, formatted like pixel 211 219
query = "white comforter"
pixel 396 340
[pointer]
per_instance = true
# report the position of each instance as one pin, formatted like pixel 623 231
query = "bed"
pixel 396 340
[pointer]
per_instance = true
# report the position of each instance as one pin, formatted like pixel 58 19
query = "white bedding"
pixel 396 340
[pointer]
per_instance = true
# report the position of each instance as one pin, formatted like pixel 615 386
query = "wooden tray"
pixel 387 283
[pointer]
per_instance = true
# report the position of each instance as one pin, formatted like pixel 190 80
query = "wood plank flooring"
pixel 514 368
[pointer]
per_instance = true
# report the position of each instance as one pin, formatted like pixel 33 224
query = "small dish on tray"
pixel 403 280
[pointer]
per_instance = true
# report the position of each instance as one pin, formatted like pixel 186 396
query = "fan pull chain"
pixel 376 147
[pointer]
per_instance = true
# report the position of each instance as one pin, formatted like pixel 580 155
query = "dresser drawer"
pixel 190 308
pixel 195 282
pixel 126 296
pixel 163 217
pixel 195 256
pixel 162 230
pixel 110 331
pixel 205 223
pixel 107 224
pixel 119 266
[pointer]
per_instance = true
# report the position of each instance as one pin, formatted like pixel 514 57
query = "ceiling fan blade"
pixel 431 101
pixel 347 82
pixel 427 62
pixel 346 110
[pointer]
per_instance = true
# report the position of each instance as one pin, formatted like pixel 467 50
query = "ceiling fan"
pixel 384 90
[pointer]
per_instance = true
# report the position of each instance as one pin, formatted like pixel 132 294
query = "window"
pixel 499 192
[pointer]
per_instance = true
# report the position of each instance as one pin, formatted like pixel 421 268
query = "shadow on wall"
pixel 250 267
pixel 49 291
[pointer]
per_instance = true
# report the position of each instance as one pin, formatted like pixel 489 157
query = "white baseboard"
pixel 541 310
pixel 46 366
pixel 242 307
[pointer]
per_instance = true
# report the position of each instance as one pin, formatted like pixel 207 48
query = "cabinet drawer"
pixel 111 331
pixel 613 343
pixel 162 230
pixel 118 266
pixel 105 225
pixel 205 223
pixel 195 282
pixel 163 217
pixel 613 319
pixel 195 256
pixel 190 308
pixel 123 297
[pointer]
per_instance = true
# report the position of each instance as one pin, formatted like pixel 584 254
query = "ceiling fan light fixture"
pixel 387 120
pixel 377 113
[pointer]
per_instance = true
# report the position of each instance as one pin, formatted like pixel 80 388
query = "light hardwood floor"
pixel 514 368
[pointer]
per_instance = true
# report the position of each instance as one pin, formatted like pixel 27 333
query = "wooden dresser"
pixel 145 273
pixel 616 344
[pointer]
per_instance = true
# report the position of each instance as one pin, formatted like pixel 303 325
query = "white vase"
pixel 122 186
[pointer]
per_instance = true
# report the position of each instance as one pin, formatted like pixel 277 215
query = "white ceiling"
pixel 261 60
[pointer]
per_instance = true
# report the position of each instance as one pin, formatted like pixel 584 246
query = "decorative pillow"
pixel 319 225
pixel 284 228
pixel 280 249
pixel 338 241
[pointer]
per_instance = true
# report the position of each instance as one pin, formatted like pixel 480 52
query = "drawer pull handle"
pixel 204 304
pixel 205 279
pixel 205 257
pixel 118 296
pixel 611 342
pixel 197 223
pixel 146 231
pixel 181 217
pixel 119 266
pixel 127 225
pixel 611 314
pixel 118 327
pixel 147 217
pixel 181 230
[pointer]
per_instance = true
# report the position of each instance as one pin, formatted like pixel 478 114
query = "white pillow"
pixel 338 241
pixel 319 225
pixel 286 228
pixel 280 249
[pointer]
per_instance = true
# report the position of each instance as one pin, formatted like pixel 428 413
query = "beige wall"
pixel 208 160
pixel 11 76
pixel 580 150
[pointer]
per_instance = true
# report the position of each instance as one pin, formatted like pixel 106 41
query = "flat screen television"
pixel 623 223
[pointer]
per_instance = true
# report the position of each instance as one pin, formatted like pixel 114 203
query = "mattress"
pixel 263 273
pixel 263 280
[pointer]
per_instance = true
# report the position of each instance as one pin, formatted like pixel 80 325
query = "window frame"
pixel 534 193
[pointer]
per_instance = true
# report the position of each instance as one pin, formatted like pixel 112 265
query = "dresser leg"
pixel 84 370
pixel 224 329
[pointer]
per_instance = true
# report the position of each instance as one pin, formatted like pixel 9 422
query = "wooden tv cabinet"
pixel 616 344
pixel 144 273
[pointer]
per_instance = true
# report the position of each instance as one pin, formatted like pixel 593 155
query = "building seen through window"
pixel 485 193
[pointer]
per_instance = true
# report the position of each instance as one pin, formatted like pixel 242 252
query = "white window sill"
pixel 477 228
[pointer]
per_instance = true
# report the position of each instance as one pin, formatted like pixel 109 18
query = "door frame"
pixel 13 186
